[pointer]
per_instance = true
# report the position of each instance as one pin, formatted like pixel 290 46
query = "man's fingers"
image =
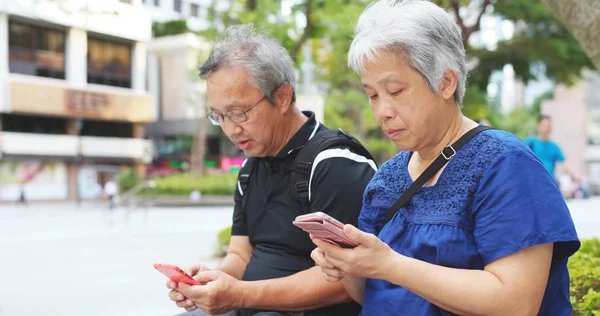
pixel 171 285
pixel 319 258
pixel 329 278
pixel 205 276
pixel 333 272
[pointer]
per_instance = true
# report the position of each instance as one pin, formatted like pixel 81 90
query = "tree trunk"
pixel 251 5
pixel 199 148
pixel 582 20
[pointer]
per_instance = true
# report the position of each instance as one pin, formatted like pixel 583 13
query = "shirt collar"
pixel 305 133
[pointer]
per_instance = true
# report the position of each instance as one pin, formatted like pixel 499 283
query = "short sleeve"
pixel 338 183
pixel 239 226
pixel 519 205
pixel 559 154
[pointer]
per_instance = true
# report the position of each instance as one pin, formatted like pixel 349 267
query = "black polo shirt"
pixel 337 181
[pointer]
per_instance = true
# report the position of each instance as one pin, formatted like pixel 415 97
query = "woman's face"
pixel 409 112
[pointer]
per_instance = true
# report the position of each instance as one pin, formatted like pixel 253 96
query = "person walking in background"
pixel 545 149
pixel 111 190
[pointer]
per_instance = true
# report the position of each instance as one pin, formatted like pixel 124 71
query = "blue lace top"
pixel 493 199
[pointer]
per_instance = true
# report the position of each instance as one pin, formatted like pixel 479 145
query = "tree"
pixel 582 19
pixel 539 40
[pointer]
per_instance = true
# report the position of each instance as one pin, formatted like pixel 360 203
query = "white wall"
pixel 174 77
pixel 134 148
pixel 138 69
pixel 4 105
pixel 76 59
pixel 38 144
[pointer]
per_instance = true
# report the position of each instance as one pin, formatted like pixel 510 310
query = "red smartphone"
pixel 174 273
pixel 325 227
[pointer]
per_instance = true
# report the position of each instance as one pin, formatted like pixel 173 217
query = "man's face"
pixel 544 128
pixel 229 89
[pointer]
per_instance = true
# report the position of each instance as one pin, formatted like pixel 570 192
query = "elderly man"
pixel 291 171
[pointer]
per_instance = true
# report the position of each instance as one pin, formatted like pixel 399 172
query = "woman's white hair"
pixel 420 31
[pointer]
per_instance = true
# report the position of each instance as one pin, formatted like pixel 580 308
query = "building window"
pixel 109 63
pixel 194 10
pixel 36 51
pixel 177 5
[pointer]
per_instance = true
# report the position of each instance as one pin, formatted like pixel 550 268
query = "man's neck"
pixel 290 126
pixel 543 138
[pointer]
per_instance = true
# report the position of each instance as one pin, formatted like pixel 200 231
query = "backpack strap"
pixel 244 179
pixel 302 165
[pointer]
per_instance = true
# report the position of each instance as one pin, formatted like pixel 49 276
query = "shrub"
pixel 128 179
pixel 182 184
pixel 223 239
pixel 584 269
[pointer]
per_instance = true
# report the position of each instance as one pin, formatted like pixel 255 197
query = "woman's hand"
pixel 368 260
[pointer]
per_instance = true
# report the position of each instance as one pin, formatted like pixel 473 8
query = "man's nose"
pixel 230 128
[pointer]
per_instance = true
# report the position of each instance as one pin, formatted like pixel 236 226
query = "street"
pixel 60 259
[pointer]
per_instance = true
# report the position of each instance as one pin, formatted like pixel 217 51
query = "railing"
pixel 132 200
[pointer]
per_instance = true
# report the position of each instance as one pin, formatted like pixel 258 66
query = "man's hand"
pixel 176 296
pixel 330 272
pixel 219 294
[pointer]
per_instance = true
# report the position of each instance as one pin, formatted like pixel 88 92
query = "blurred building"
pixel 180 104
pixel 575 113
pixel 73 100
pixel 195 12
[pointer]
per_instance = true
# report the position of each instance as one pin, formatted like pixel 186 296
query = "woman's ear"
pixel 449 84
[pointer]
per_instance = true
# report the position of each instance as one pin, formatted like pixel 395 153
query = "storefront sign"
pixel 37 96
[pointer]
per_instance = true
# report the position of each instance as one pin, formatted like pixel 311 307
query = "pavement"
pixel 61 259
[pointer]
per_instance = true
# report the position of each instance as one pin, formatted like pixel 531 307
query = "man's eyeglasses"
pixel 236 116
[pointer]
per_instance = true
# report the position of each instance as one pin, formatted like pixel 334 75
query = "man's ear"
pixel 283 97
pixel 449 84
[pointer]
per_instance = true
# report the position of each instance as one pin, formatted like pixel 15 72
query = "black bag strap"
pixel 244 178
pixel 303 163
pixel 447 154
pixel 301 167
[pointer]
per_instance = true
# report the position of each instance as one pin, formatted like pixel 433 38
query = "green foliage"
pixel 128 179
pixel 540 40
pixel 223 239
pixel 584 270
pixel 169 28
pixel 521 121
pixel 183 184
pixel 540 43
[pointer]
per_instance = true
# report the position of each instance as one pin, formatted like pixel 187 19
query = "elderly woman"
pixel 487 234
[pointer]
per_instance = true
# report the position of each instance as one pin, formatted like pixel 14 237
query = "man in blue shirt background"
pixel 546 150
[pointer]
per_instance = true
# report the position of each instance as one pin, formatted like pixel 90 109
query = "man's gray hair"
pixel 420 31
pixel 268 63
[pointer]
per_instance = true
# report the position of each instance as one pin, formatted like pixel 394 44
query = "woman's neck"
pixel 458 127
